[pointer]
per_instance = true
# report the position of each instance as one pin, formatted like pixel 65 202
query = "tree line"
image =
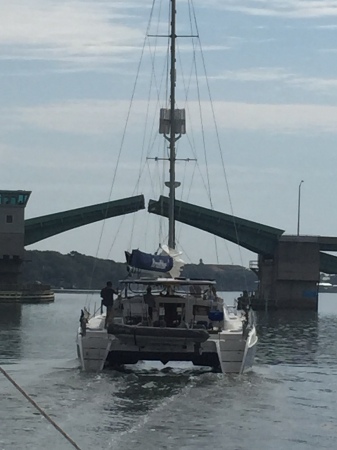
pixel 78 271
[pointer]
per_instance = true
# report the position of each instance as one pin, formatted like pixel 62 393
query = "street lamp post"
pixel 299 207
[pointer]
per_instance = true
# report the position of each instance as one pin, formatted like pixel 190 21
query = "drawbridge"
pixel 44 227
pixel 288 266
pixel 256 237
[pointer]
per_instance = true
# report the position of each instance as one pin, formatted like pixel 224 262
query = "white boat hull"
pixel 93 348
pixel 227 350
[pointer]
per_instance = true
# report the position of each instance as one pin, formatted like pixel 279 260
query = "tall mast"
pixel 172 153
pixel 172 125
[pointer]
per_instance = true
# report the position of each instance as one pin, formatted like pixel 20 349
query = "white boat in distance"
pixel 187 320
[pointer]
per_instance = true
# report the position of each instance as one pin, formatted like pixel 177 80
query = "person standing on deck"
pixel 150 302
pixel 107 294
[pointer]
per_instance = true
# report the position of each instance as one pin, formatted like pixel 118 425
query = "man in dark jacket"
pixel 149 300
pixel 107 294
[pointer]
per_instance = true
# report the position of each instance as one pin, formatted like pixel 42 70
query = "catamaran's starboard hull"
pixel 250 350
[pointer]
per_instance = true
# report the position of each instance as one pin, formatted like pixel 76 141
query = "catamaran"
pixel 185 319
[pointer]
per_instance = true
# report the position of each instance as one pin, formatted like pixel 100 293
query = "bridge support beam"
pixel 43 227
pixel 290 279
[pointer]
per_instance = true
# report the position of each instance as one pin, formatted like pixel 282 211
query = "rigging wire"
pixel 153 82
pixel 41 411
pixel 155 85
pixel 128 115
pixel 218 141
pixel 190 4
pixel 164 75
pixel 158 88
pixel 121 147
pixel 190 136
pixel 146 120
pixel 186 86
pixel 205 155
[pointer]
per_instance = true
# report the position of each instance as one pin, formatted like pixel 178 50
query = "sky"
pixel 70 133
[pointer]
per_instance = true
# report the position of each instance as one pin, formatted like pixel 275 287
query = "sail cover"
pixel 147 261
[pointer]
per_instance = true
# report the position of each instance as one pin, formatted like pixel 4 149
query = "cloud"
pixel 326 27
pixel 258 74
pixel 280 75
pixel 66 31
pixel 78 117
pixel 277 118
pixel 96 117
pixel 293 9
pixel 76 34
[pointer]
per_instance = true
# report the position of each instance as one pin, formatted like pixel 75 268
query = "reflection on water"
pixel 10 331
pixel 295 337
pixel 10 315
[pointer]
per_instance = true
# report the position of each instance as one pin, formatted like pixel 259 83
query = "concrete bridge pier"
pixel 289 278
pixel 12 206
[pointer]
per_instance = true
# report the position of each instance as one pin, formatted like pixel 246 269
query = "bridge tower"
pixel 289 278
pixel 12 232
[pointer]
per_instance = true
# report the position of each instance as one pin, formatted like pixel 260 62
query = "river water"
pixel 288 401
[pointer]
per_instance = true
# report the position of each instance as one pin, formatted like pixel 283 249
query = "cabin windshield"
pixel 169 302
pixel 170 290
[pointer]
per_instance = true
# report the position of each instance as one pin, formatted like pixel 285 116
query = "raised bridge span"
pixel 256 237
